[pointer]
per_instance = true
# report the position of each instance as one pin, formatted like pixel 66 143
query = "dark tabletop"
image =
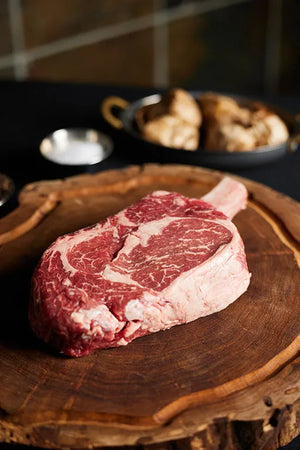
pixel 29 111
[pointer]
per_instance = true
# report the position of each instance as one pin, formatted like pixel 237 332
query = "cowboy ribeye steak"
pixel 163 261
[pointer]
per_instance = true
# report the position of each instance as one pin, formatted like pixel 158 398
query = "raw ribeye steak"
pixel 163 261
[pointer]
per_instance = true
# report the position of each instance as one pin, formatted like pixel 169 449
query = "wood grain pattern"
pixel 154 389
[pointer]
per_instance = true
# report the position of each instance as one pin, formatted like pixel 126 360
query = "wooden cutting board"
pixel 227 376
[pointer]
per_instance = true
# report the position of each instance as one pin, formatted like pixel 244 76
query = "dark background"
pixel 243 46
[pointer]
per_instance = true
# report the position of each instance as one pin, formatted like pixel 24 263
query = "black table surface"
pixel 31 110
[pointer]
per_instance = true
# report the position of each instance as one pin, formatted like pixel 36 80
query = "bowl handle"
pixel 294 142
pixel 106 108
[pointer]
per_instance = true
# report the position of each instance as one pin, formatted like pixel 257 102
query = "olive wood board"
pixel 240 364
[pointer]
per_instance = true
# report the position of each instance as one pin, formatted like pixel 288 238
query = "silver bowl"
pixel 76 146
pixel 7 188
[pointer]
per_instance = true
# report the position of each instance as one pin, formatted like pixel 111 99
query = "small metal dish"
pixel 76 146
pixel 7 188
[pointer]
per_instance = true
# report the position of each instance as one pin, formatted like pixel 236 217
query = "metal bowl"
pixel 7 188
pixel 125 120
pixel 76 146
